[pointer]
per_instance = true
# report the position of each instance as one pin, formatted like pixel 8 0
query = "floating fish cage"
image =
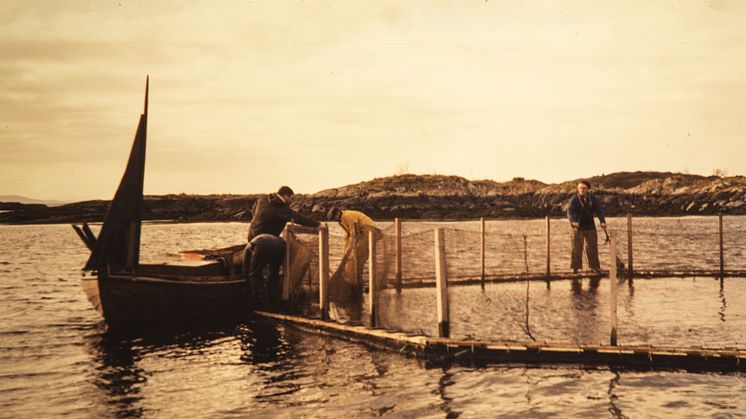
pixel 422 262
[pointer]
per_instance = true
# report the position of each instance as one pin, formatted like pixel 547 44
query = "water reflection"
pixel 275 360
pixel 117 374
pixel 127 360
pixel 446 380
pixel 723 305
pixel 262 345
pixel 613 383
pixel 585 313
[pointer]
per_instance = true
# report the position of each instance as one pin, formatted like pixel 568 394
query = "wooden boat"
pixel 126 291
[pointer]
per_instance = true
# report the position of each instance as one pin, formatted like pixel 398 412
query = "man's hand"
pixel 575 224
pixel 603 225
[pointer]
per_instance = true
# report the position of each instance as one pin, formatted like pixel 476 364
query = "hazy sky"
pixel 246 96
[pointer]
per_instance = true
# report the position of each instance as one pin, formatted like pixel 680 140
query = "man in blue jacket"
pixel 583 206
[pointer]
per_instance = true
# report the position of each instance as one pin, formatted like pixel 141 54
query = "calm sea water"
pixel 58 359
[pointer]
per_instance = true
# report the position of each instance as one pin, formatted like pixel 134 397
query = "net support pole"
pixel 397 230
pixel 441 284
pixel 612 291
pixel 549 247
pixel 482 252
pixel 286 267
pixel 722 258
pixel 372 297
pixel 324 271
pixel 630 264
pixel 355 238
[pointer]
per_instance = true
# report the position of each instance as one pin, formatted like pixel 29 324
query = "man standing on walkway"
pixel 583 206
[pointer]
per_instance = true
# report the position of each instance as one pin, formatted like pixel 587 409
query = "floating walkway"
pixel 473 352
pixel 464 280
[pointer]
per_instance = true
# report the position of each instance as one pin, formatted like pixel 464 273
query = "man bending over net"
pixel 356 226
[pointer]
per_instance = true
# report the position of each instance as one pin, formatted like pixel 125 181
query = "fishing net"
pixel 349 268
pixel 513 306
pixel 303 264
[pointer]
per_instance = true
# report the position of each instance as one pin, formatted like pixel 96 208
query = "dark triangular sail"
pixel 118 243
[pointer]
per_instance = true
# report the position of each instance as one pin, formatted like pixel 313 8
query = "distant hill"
pixel 25 200
pixel 435 196
pixel 438 197
pixel 636 183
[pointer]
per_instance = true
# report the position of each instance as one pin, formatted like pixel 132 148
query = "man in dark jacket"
pixel 583 206
pixel 266 249
pixel 272 212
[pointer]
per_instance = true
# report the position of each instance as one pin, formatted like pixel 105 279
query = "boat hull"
pixel 134 299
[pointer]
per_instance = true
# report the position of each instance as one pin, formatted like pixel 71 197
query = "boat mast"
pixel 118 244
pixel 133 249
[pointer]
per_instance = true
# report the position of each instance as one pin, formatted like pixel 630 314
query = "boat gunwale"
pixel 175 279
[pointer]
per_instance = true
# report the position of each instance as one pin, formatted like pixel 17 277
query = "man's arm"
pixel 303 220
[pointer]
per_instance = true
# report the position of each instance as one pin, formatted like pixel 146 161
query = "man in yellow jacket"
pixel 356 226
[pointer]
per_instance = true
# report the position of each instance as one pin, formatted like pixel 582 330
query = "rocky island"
pixel 436 197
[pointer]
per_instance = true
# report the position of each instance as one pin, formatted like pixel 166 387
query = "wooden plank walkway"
pixel 474 352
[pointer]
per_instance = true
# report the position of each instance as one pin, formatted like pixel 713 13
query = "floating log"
pixel 478 352
pixel 455 280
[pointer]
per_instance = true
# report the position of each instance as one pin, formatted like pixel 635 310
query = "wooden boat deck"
pixel 486 352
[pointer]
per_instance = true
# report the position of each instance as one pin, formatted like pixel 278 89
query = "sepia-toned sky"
pixel 246 96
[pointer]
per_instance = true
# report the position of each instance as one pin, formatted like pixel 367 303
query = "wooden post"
pixel 612 291
pixel 549 252
pixel 397 229
pixel 324 271
pixel 722 259
pixel 481 251
pixel 372 300
pixel 630 264
pixel 441 284
pixel 286 268
pixel 355 238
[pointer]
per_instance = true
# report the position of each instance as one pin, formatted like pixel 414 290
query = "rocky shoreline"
pixel 436 197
